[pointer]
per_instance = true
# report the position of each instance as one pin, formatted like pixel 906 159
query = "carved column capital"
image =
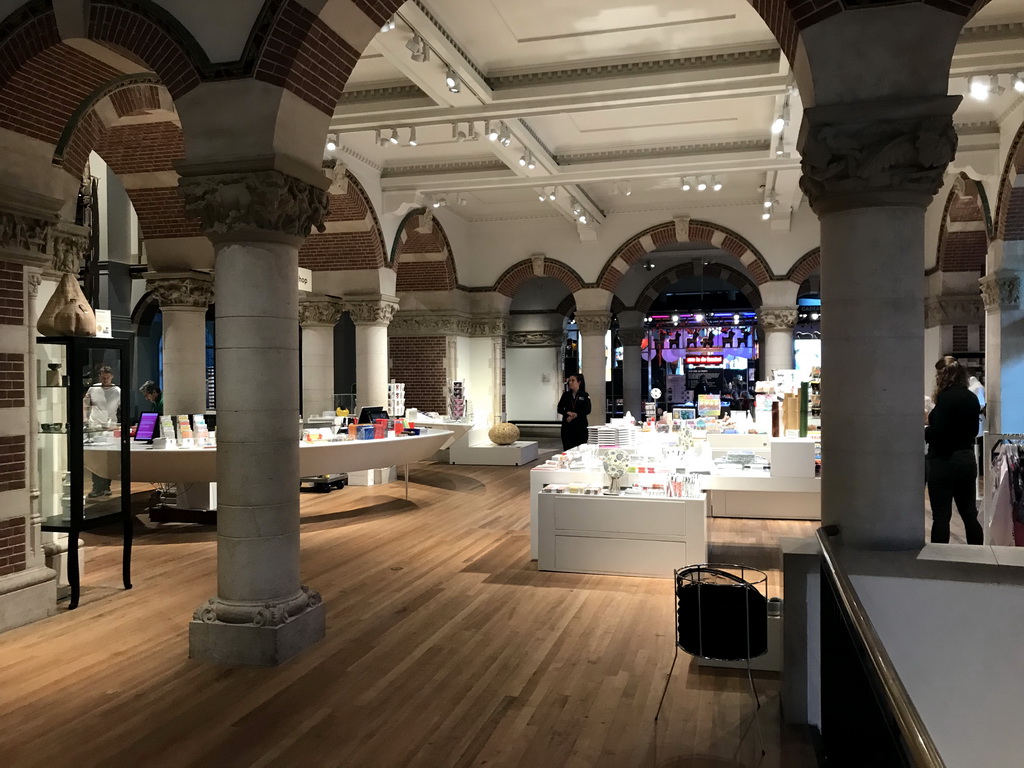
pixel 1001 291
pixel 777 318
pixel 182 291
pixel 372 312
pixel 265 201
pixel 319 312
pixel 876 153
pixel 592 322
pixel 953 309
pixel 34 279
pixel 631 337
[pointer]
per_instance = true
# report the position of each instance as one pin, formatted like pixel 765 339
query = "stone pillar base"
pixel 247 644
pixel 27 596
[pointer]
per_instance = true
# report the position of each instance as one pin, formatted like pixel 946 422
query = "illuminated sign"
pixel 704 360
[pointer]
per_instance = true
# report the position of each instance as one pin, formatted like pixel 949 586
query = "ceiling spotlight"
pixel 332 142
pixel 471 133
pixel 505 137
pixel 492 131
pixel 766 215
pixel 778 125
pixel 419 51
pixel 980 87
pixel 582 219
pixel 542 195
pixel 381 140
pixel 815 315
pixel 716 185
pixel 702 184
pixel 530 163
pixel 457 133
pixel 735 318
pixel 388 25
pixel 551 194
pixel 675 318
pixel 649 266
pixel 687 183
pixel 768 201
pixel 627 188
pixel 461 199
pixel 522 160
pixel 453 81
pixel 393 138
pixel 412 137
pixel 577 209
pixel 1018 82
pixel 698 318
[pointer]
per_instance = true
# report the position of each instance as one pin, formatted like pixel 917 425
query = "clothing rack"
pixel 991 443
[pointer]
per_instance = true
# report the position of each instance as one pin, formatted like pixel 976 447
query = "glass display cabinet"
pixel 83 443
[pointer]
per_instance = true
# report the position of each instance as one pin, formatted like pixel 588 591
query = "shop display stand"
pixel 62 447
pixel 396 399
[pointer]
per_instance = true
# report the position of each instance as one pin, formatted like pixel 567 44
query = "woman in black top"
pixel 574 408
pixel 952 470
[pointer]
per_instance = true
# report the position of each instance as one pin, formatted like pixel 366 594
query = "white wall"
pixel 957 649
pixel 528 396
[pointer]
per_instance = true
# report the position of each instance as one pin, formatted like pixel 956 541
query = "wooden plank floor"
pixel 445 647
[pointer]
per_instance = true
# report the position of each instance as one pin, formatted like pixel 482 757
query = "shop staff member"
pixel 154 395
pixel 574 408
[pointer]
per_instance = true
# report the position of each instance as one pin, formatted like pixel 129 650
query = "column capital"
pixel 1001 291
pixel 192 290
pixel 377 311
pixel 954 309
pixel 880 153
pixel 777 318
pixel 269 203
pixel 592 322
pixel 319 312
pixel 631 337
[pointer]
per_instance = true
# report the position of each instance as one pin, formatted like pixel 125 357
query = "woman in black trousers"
pixel 952 470
pixel 574 407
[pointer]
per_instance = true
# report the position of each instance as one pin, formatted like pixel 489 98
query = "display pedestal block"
pixel 27 596
pixel 378 476
pixel 249 645
pixel 477 448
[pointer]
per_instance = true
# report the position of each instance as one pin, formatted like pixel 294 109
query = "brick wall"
pixel 12 463
pixel 12 294
pixel 959 339
pixel 419 362
pixel 12 545
pixel 12 380
pixel 963 252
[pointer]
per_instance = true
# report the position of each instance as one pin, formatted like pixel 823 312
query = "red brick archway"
pixel 966 229
pixel 805 266
pixel 353 240
pixel 520 272
pixel 697 231
pixel 423 256
pixel 1010 205
pixel 670 277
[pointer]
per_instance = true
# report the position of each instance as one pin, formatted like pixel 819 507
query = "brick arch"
pixel 566 306
pixel 422 254
pixel 354 238
pixel 805 266
pixel 638 246
pixel 965 230
pixel 673 275
pixel 513 278
pixel 618 305
pixel 1010 202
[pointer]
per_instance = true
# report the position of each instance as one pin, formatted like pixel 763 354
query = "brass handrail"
pixel 923 751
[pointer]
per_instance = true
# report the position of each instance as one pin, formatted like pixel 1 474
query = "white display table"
pixel 199 465
pixel 458 429
pixel 620 535
pixel 756 495
pixel 477 448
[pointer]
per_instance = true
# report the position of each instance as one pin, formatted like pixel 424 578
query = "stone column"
pixel 593 325
pixel 778 324
pixel 870 170
pixel 261 614
pixel 1004 350
pixel 318 318
pixel 631 334
pixel 184 299
pixel 371 318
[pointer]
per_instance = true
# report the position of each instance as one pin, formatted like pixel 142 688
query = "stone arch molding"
pixel 734 277
pixel 513 278
pixel 422 254
pixel 684 230
pixel 966 229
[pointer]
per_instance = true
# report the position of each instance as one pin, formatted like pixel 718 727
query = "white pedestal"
pixel 618 535
pixel 478 449
pixel 792 457
pixel 378 476
pixel 782 498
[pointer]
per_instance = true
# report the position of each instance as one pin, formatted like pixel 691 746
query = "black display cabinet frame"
pixel 79 355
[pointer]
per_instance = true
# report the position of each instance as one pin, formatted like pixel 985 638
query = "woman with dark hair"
pixel 952 470
pixel 574 407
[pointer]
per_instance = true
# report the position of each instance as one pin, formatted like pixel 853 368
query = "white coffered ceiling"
pixel 607 96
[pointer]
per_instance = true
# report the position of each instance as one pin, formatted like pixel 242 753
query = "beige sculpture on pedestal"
pixel 503 434
pixel 67 313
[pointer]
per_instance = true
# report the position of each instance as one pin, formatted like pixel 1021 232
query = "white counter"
pixel 756 495
pixel 458 429
pixel 620 535
pixel 199 465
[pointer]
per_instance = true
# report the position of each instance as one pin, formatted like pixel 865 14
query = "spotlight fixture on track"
pixel 452 80
pixel 702 183
pixel 461 199
pixel 388 25
pixel 492 131
pixel 332 142
pixel 716 185
pixel 687 183
pixel 457 133
pixel 780 122
pixel 505 137
pixel 393 138
pixel 412 137
pixel 418 49
pixel 627 188
pixel 526 160
pixel 1017 81
pixel 381 140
